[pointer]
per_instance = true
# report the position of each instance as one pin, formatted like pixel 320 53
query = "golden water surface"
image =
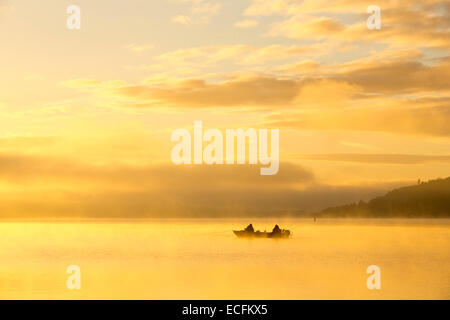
pixel 202 259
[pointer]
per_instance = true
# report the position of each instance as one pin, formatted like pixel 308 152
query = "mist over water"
pixel 202 259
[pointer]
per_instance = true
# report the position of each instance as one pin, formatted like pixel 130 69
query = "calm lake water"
pixel 202 259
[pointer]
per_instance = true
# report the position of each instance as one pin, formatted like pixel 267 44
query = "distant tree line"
pixel 426 199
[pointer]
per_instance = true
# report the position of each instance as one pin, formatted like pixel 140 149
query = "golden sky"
pixel 86 115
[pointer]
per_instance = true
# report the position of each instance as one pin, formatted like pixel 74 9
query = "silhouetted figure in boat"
pixel 249 231
pixel 276 230
pixel 250 228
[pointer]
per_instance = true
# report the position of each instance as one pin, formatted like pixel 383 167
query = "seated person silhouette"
pixel 249 228
pixel 276 229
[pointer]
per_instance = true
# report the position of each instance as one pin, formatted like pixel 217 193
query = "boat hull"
pixel 259 234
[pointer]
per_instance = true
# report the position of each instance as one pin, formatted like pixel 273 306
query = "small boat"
pixel 249 232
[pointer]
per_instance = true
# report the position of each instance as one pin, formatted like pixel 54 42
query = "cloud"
pixel 393 90
pixel 182 20
pixel 432 121
pixel 376 158
pixel 42 186
pixel 268 7
pixel 343 86
pixel 201 12
pixel 301 27
pixel 400 77
pixel 206 7
pixel 56 204
pixel 19 168
pixel 246 91
pixel 241 54
pixel 59 187
pixel 354 6
pixel 404 23
pixel 207 54
pixel 246 24
pixel 338 94
pixel 273 52
pixel 306 67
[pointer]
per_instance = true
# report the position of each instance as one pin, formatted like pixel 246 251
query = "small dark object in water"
pixel 249 232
